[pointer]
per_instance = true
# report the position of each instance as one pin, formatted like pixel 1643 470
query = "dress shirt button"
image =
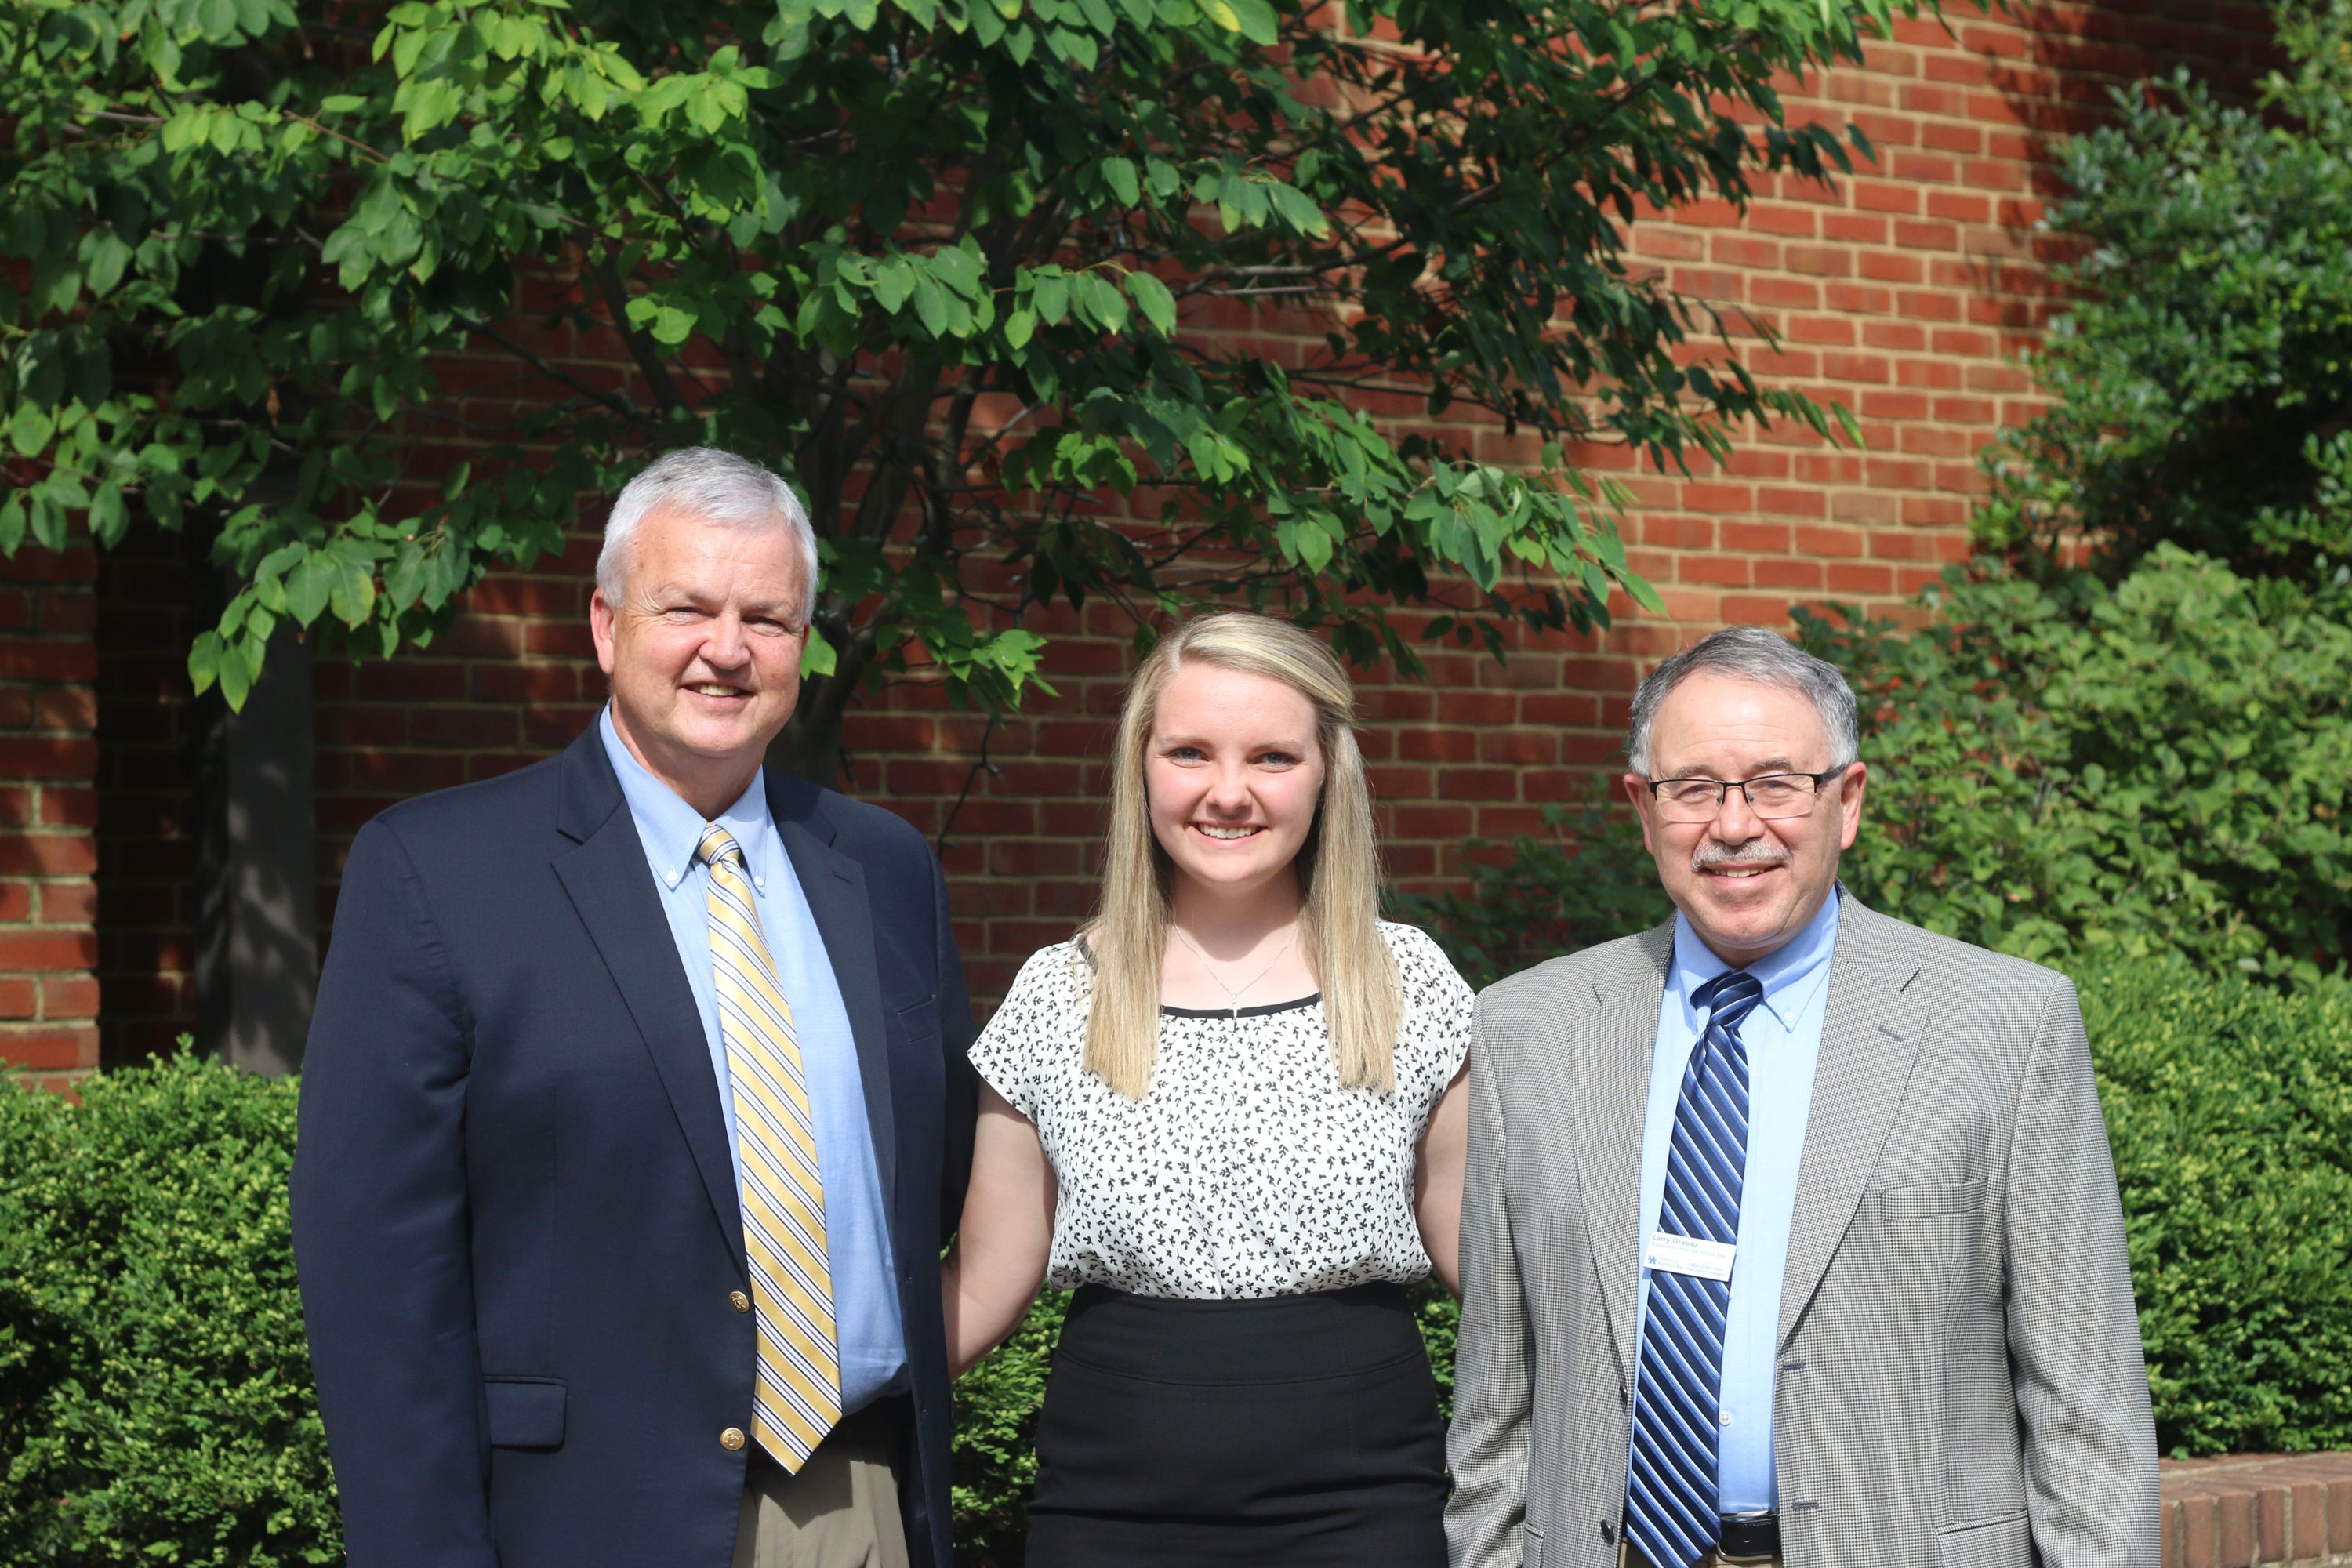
pixel 1724 1417
pixel 740 1301
pixel 732 1439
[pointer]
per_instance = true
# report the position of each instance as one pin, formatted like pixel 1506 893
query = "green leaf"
pixel 235 677
pixel 931 305
pixel 104 257
pixel 1052 296
pixel 1255 20
pixel 108 516
pixel 203 661
pixel 353 592
pixel 958 268
pixel 1151 297
pixel 30 430
pixel 894 281
pixel 1099 302
pixel 1119 174
pixel 817 655
pixel 309 586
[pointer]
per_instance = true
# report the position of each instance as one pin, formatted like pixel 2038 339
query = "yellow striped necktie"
pixel 797 1394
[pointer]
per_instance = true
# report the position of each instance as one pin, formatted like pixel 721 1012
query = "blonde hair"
pixel 1338 866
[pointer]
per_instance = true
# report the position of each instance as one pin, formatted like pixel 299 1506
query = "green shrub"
pixel 2197 382
pixel 155 1397
pixel 2061 765
pixel 2229 1104
pixel 996 1439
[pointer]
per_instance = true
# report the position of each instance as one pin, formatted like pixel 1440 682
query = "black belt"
pixel 1750 1538
pixel 1741 1538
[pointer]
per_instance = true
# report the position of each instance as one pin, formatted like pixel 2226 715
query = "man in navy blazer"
pixel 516 1196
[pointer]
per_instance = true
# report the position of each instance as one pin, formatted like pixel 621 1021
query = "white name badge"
pixel 1689 1255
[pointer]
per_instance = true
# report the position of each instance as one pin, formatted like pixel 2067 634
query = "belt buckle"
pixel 1749 1538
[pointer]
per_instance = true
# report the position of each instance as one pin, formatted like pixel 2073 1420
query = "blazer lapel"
pixel 835 885
pixel 1612 1083
pixel 603 867
pixel 1870 1037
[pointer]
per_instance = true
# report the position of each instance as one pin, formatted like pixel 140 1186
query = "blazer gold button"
pixel 732 1439
pixel 740 1301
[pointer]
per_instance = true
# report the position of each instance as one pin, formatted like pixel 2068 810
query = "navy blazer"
pixel 514 1215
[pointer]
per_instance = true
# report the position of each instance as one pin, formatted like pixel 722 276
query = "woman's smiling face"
pixel 1233 776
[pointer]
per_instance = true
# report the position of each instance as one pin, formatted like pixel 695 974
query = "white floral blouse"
pixel 1246 1170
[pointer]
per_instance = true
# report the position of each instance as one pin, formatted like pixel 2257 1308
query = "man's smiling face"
pixel 704 661
pixel 1745 884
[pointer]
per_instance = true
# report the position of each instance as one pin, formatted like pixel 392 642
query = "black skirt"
pixel 1294 1430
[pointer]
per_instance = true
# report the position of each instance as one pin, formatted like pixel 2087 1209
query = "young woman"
pixel 1230 1115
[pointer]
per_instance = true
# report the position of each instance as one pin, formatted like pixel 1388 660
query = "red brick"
pixel 49 1048
pixel 46 853
pixel 47 658
pixel 68 997
pixel 42 757
pixel 65 808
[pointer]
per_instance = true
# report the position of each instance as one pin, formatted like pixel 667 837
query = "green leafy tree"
pixel 939 259
pixel 2200 385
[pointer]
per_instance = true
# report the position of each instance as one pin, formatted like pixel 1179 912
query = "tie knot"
pixel 717 846
pixel 1729 998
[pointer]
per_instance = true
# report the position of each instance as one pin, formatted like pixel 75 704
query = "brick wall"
pixel 1906 293
pixel 2251 1510
pixel 49 991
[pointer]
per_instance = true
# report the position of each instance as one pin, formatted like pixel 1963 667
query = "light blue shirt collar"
pixel 1786 972
pixel 669 826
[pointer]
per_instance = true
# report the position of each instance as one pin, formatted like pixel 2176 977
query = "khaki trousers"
pixel 840 1511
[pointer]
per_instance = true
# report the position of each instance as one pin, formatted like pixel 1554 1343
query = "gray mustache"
pixel 1749 854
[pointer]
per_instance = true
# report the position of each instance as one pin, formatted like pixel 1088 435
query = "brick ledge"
pixel 2247 1510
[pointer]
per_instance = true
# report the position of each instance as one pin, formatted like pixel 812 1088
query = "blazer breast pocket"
pixel 2003 1543
pixel 524 1412
pixel 918 1022
pixel 1917 1201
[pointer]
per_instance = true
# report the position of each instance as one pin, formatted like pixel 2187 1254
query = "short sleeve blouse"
pixel 1246 1170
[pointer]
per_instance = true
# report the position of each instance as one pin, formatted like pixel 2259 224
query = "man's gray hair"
pixel 1749 653
pixel 716 487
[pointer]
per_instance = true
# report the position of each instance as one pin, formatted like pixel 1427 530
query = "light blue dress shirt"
pixel 870 1339
pixel 1783 1037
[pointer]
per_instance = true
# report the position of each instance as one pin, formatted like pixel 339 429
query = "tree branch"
pixel 616 401
pixel 641 346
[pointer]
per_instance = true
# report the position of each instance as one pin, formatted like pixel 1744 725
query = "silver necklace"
pixel 1233 993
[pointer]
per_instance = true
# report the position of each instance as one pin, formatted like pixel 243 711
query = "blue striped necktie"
pixel 1671 1512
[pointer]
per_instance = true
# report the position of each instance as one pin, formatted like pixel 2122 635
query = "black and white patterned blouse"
pixel 1246 1170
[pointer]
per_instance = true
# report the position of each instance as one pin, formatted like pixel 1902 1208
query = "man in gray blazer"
pixel 1790 1231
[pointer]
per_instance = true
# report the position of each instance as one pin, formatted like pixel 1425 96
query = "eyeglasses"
pixel 1775 797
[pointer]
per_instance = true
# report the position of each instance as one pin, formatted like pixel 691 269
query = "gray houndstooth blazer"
pixel 1960 1377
